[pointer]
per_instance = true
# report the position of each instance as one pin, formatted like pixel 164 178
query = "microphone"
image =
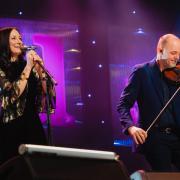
pixel 32 47
pixel 28 48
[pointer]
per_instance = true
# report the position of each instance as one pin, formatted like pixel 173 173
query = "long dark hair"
pixel 5 52
pixel 4 42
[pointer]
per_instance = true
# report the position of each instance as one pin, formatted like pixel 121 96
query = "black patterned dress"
pixel 19 121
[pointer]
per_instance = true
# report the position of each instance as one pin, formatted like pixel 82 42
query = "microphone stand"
pixel 49 130
pixel 163 109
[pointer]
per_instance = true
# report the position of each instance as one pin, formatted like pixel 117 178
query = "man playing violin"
pixel 150 88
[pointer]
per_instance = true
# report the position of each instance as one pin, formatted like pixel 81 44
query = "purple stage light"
pixel 52 51
pixel 51 40
pixel 79 104
pixel 93 42
pixel 134 12
pixel 140 31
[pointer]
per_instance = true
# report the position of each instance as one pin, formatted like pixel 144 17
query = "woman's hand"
pixel 33 59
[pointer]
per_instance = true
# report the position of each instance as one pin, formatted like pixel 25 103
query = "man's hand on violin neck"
pixel 138 134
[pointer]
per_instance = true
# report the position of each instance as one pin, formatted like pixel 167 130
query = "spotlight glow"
pixel 140 31
pixel 73 50
pixel 123 142
pixel 76 68
pixel 79 104
pixel 93 42
pixel 20 13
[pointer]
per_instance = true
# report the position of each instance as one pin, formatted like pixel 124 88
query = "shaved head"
pixel 164 40
pixel 168 51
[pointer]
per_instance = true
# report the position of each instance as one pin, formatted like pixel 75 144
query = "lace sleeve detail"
pixel 9 90
pixel 12 105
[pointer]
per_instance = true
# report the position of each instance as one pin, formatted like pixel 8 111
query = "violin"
pixel 173 74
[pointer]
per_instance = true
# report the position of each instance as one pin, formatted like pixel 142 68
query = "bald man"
pixel 151 90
